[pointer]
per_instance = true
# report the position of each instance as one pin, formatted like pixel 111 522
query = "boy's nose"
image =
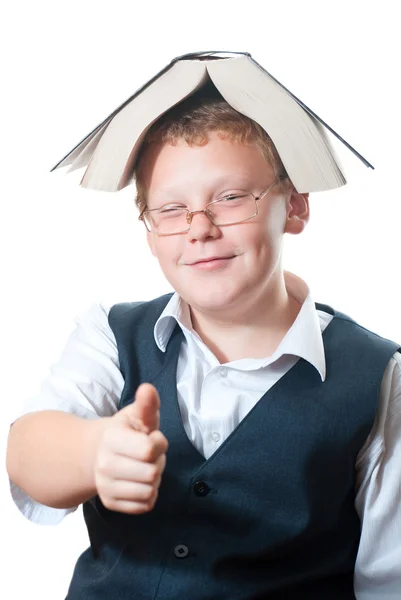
pixel 200 225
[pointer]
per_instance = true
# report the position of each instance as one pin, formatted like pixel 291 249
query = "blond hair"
pixel 192 120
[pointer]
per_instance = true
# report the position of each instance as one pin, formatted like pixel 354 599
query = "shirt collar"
pixel 303 339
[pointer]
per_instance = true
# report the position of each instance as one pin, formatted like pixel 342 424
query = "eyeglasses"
pixel 230 210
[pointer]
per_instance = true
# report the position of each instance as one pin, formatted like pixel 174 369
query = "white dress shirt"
pixel 87 382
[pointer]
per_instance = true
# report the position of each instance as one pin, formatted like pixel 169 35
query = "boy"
pixel 260 456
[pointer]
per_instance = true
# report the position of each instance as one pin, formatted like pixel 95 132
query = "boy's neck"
pixel 255 333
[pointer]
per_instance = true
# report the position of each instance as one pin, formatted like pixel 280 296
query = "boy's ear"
pixel 297 212
pixel 151 245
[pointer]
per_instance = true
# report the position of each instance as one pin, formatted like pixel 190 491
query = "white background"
pixel 66 66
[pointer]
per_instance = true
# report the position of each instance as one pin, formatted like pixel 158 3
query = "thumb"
pixel 143 413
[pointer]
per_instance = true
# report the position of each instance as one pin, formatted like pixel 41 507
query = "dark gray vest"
pixel 271 513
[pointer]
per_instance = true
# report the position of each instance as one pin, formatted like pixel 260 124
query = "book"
pixel 301 137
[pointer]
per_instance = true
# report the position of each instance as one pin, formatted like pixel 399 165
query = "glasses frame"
pixel 191 213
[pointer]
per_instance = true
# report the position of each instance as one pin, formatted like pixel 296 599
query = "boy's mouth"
pixel 212 262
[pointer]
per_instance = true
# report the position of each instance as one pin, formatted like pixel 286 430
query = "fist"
pixel 131 455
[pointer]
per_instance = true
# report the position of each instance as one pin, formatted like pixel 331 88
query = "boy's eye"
pixel 171 207
pixel 230 197
pixel 233 195
pixel 237 196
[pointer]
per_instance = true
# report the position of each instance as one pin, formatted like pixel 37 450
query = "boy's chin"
pixel 210 298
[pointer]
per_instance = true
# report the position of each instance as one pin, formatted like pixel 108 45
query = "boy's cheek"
pixel 151 244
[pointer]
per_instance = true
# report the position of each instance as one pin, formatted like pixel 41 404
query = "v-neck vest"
pixel 271 513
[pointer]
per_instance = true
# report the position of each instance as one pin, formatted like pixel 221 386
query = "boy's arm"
pixel 120 458
pixel 85 384
pixel 50 456
pixel 378 501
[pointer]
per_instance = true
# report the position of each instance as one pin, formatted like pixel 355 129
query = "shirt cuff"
pixel 36 512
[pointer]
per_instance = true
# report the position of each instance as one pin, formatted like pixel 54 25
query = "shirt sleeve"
pixel 378 499
pixel 86 381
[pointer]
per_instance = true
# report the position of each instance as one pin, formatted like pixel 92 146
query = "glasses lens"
pixel 233 209
pixel 167 220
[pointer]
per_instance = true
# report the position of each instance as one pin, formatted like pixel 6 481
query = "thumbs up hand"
pixel 143 414
pixel 131 455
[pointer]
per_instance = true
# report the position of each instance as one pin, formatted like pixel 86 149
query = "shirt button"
pixel 215 436
pixel 223 371
pixel 201 488
pixel 181 551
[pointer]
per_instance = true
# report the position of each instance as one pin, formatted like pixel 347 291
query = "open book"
pixel 300 136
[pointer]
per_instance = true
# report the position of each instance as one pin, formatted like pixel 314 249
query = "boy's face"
pixel 195 176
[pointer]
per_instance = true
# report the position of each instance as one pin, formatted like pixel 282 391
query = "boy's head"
pixel 199 152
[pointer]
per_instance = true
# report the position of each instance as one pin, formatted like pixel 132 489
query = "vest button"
pixel 201 488
pixel 181 551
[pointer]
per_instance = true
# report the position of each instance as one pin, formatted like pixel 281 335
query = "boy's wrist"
pixel 92 435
